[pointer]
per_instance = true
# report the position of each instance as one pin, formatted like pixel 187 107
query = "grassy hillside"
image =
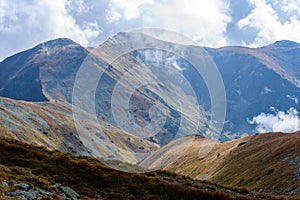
pixel 266 163
pixel 88 177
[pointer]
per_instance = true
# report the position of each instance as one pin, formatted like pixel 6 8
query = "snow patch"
pixel 266 90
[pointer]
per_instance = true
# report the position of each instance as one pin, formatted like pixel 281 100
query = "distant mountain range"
pixel 254 79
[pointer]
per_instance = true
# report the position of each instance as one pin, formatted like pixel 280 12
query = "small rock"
pixel 23 186
pixel 4 184
pixel 180 181
pixel 57 185
pixel 21 194
pixel 69 192
pixel 31 194
pixel 261 190
pixel 43 192
pixel 11 182
pixel 295 191
pixel 24 192
pixel 285 159
pixel 167 178
pixel 11 194
pixel 66 192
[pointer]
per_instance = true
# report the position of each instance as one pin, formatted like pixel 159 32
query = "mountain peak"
pixel 58 42
pixel 28 74
pixel 285 44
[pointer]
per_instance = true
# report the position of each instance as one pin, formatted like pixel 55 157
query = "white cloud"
pixel 233 136
pixel 63 24
pixel 267 21
pixel 277 121
pixel 203 21
pixel 113 15
pixel 291 5
pixel 127 9
pixel 175 64
pixel 76 5
pixel 26 23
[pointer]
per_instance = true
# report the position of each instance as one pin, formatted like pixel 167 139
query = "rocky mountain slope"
pixel 257 79
pixel 47 72
pixel 47 68
pixel 51 125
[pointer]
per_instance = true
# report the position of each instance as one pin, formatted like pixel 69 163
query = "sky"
pixel 213 23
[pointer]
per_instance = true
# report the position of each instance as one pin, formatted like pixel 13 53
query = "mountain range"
pixel 254 80
pixel 42 104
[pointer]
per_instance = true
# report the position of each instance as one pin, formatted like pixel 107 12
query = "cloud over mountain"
pixel 277 121
pixel 214 23
pixel 201 18
pixel 273 21
pixel 25 23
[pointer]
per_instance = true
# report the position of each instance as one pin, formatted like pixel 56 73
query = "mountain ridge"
pixel 66 40
pixel 42 74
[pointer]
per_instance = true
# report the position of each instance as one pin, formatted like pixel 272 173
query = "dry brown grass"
pixel 255 162
pixel 92 180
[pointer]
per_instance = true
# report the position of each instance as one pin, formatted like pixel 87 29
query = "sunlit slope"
pixel 52 125
pixel 266 162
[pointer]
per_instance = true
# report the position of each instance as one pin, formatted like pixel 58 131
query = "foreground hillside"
pixel 266 163
pixel 40 168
